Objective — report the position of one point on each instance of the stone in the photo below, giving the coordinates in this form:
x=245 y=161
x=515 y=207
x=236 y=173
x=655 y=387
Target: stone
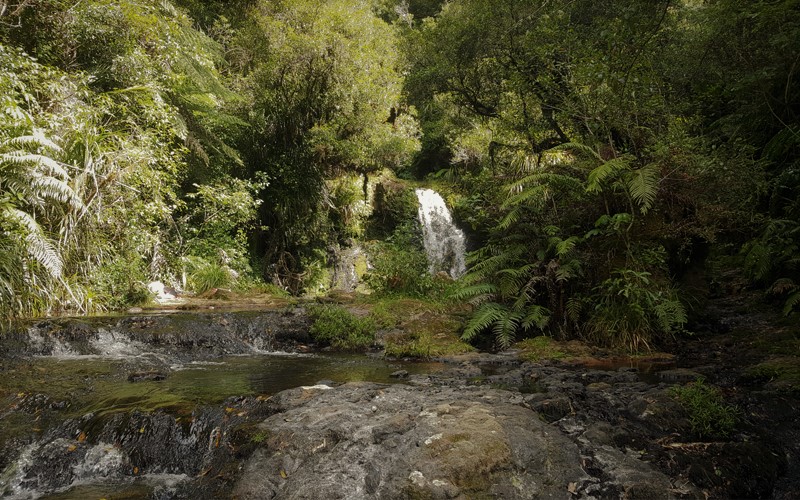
x=455 y=443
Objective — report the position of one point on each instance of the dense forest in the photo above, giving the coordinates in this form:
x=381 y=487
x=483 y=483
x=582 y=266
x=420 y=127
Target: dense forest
x=614 y=164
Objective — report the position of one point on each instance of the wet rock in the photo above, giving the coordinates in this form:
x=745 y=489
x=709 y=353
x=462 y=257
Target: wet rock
x=679 y=375
x=186 y=334
x=151 y=376
x=553 y=409
x=432 y=443
x=399 y=374
x=637 y=479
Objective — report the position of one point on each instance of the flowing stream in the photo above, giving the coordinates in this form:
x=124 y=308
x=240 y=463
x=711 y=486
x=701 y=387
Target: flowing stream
x=135 y=407
x=444 y=241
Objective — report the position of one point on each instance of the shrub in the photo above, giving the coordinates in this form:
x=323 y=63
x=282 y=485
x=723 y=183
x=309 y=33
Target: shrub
x=708 y=413
x=204 y=275
x=632 y=309
x=400 y=267
x=121 y=282
x=341 y=329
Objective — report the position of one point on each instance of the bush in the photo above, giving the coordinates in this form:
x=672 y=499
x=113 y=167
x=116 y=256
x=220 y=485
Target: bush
x=204 y=275
x=400 y=267
x=121 y=283
x=341 y=329
x=632 y=310
x=709 y=415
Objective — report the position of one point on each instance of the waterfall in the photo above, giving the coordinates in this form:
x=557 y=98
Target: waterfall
x=444 y=242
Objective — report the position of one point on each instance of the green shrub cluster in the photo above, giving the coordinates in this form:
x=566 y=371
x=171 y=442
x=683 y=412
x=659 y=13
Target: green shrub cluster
x=709 y=415
x=341 y=329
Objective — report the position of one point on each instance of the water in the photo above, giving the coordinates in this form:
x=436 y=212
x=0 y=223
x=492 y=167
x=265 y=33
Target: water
x=444 y=242
x=41 y=396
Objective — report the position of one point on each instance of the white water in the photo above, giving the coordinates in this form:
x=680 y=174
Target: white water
x=444 y=242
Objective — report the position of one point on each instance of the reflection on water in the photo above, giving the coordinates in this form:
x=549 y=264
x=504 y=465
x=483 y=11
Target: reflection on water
x=76 y=386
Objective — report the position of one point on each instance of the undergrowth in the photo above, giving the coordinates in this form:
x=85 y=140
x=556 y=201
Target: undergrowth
x=709 y=415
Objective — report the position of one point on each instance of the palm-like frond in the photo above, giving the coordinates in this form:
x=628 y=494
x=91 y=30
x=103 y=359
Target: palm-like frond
x=609 y=170
x=643 y=186
x=483 y=317
x=576 y=147
x=37 y=245
x=791 y=303
x=21 y=159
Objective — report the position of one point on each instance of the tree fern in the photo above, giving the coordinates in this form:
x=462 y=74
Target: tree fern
x=608 y=171
x=643 y=186
x=791 y=302
x=482 y=318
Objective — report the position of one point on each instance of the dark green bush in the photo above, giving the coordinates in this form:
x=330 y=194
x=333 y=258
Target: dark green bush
x=341 y=329
x=709 y=415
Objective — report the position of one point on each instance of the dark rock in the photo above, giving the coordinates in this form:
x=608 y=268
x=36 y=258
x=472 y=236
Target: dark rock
x=679 y=375
x=553 y=409
x=151 y=376
x=469 y=442
x=399 y=374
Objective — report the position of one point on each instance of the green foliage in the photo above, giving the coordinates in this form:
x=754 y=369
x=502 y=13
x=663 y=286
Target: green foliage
x=204 y=275
x=539 y=348
x=394 y=205
x=341 y=329
x=399 y=266
x=419 y=328
x=323 y=84
x=122 y=282
x=632 y=310
x=709 y=415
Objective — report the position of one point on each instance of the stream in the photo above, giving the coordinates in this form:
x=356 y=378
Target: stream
x=201 y=404
x=131 y=407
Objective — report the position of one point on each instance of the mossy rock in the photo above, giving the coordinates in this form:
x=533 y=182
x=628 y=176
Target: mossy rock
x=778 y=374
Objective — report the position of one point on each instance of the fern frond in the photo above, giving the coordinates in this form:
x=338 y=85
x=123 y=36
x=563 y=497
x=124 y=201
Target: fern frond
x=22 y=159
x=564 y=247
x=36 y=139
x=537 y=192
x=37 y=244
x=505 y=329
x=643 y=186
x=576 y=147
x=791 y=302
x=483 y=317
x=569 y=270
x=607 y=171
x=537 y=316
x=574 y=309
x=670 y=314
x=511 y=218
x=55 y=189
x=470 y=292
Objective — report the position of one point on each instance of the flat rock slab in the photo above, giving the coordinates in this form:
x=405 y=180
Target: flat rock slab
x=375 y=441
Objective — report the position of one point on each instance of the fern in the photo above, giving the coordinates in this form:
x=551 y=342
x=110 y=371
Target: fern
x=643 y=186
x=791 y=302
x=576 y=147
x=536 y=316
x=564 y=247
x=607 y=171
x=483 y=317
x=37 y=244
x=505 y=328
x=475 y=294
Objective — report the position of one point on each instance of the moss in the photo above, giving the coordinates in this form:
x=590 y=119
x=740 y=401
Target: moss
x=340 y=328
x=424 y=329
x=708 y=413
x=782 y=374
x=539 y=348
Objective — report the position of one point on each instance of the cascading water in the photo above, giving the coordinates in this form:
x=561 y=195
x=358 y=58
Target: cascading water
x=444 y=242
